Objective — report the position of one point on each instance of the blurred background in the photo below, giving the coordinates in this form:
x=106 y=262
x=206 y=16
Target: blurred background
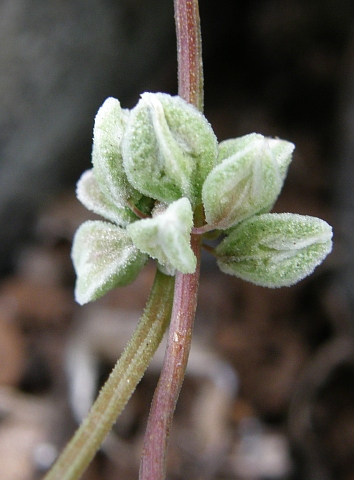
x=269 y=392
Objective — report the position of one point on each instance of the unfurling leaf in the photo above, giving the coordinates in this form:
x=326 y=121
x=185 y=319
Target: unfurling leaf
x=275 y=250
x=166 y=236
x=247 y=179
x=91 y=196
x=110 y=123
x=168 y=148
x=104 y=257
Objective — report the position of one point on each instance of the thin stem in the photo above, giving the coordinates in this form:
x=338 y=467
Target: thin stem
x=137 y=212
x=153 y=464
x=190 y=88
x=209 y=249
x=120 y=385
x=189 y=52
x=203 y=229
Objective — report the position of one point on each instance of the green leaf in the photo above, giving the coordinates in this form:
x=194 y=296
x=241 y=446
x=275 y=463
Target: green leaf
x=90 y=195
x=275 y=250
x=104 y=257
x=166 y=237
x=110 y=123
x=247 y=179
x=168 y=148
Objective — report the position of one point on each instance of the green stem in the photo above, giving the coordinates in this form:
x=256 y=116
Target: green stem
x=120 y=385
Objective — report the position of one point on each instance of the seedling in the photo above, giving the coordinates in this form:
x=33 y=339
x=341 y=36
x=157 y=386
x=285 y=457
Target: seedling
x=162 y=182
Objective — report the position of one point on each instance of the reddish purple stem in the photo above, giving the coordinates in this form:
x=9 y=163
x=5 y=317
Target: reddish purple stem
x=153 y=465
x=190 y=88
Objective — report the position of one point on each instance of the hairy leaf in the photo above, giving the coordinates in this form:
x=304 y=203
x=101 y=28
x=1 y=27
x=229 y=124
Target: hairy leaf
x=275 y=250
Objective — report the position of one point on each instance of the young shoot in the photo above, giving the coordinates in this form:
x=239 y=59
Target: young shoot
x=162 y=182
